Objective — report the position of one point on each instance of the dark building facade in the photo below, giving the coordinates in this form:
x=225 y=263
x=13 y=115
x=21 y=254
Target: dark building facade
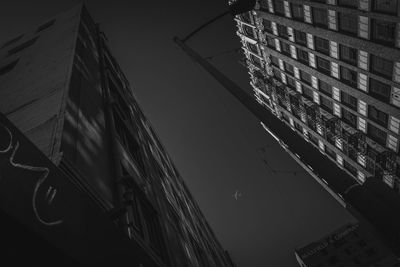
x=330 y=70
x=63 y=89
x=350 y=245
x=326 y=76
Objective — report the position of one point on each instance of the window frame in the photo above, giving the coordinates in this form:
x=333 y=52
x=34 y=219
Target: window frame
x=345 y=54
x=318 y=61
x=279 y=9
x=348 y=100
x=373 y=83
x=320 y=17
x=301 y=59
x=374 y=68
x=378 y=116
x=344 y=70
x=389 y=11
x=306 y=81
x=322 y=45
x=377 y=24
x=324 y=91
x=346 y=22
x=294 y=6
x=375 y=136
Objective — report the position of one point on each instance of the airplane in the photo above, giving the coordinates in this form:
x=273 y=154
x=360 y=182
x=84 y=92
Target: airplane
x=237 y=195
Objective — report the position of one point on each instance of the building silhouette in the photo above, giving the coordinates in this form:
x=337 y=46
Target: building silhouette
x=330 y=70
x=63 y=89
x=350 y=245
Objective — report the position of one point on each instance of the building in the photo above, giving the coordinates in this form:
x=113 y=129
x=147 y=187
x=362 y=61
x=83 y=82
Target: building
x=330 y=69
x=350 y=245
x=64 y=90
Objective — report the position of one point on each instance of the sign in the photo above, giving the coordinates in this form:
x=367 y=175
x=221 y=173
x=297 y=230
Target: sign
x=331 y=239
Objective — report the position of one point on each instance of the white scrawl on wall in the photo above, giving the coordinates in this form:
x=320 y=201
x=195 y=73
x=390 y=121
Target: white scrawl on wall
x=13 y=146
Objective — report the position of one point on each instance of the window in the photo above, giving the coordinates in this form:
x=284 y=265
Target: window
x=305 y=77
x=348 y=76
x=121 y=106
x=330 y=152
x=248 y=31
x=264 y=5
x=300 y=37
x=253 y=48
x=46 y=25
x=320 y=17
x=349 y=100
x=16 y=39
x=348 y=3
x=313 y=139
x=321 y=45
x=350 y=167
x=302 y=56
x=323 y=65
x=7 y=68
x=308 y=93
x=385 y=6
x=383 y=31
x=289 y=68
x=285 y=48
x=285 y=117
x=275 y=61
x=378 y=116
x=291 y=82
x=325 y=88
x=271 y=42
x=282 y=31
x=278 y=7
x=376 y=134
x=379 y=90
x=22 y=46
x=326 y=104
x=349 y=118
x=130 y=143
x=348 y=23
x=298 y=127
x=245 y=17
x=297 y=11
x=277 y=74
x=256 y=61
x=381 y=66
x=267 y=25
x=348 y=54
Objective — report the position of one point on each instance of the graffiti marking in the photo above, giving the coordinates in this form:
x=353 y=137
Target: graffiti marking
x=51 y=192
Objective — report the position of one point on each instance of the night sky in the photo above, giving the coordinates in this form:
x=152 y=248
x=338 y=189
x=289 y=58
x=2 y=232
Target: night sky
x=214 y=141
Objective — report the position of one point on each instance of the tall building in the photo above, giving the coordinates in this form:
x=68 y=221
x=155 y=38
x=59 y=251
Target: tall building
x=330 y=70
x=63 y=89
x=350 y=245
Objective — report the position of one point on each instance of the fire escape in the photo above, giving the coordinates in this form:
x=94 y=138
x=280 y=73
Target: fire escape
x=375 y=159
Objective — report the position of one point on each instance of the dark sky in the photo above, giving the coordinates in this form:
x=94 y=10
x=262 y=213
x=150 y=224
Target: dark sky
x=214 y=141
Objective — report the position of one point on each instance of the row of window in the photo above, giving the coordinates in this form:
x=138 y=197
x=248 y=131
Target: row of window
x=377 y=89
x=381 y=31
x=315 y=140
x=379 y=6
x=373 y=132
x=378 y=65
x=348 y=100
